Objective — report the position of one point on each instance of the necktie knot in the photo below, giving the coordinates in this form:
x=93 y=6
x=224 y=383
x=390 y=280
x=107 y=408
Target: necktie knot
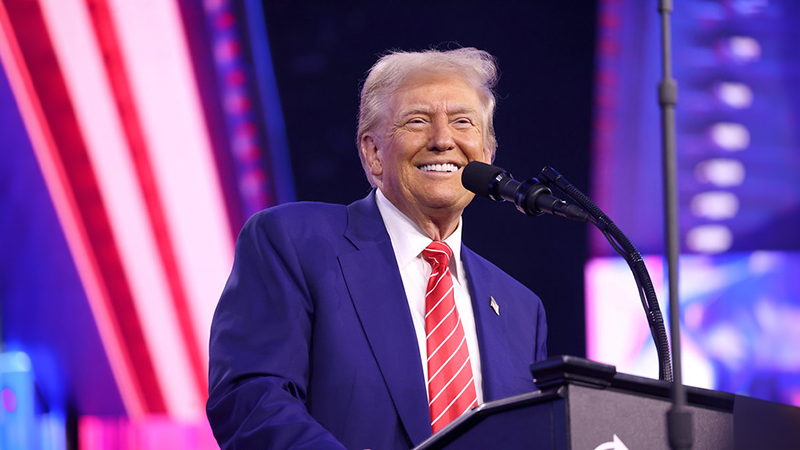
x=437 y=254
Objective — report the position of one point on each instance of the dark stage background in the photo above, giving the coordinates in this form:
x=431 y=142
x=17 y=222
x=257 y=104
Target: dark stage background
x=321 y=51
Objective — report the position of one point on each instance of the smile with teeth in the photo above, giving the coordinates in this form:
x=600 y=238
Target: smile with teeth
x=447 y=167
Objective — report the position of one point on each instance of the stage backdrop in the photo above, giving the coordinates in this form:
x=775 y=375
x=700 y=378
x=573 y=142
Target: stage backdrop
x=738 y=73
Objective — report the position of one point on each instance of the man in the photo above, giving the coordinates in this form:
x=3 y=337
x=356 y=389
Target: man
x=329 y=333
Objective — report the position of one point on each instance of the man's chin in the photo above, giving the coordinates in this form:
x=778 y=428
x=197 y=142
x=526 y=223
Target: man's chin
x=453 y=204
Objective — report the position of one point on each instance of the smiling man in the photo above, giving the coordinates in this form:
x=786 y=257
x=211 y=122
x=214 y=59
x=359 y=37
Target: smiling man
x=371 y=325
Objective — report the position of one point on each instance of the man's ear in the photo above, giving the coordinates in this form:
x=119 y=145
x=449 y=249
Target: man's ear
x=488 y=155
x=370 y=155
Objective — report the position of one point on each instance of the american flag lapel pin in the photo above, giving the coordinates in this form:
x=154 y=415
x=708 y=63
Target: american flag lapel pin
x=494 y=305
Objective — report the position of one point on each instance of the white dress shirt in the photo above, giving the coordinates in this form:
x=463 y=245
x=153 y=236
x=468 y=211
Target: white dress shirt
x=408 y=242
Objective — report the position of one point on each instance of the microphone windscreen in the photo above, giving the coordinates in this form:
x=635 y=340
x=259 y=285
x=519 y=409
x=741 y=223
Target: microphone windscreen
x=481 y=178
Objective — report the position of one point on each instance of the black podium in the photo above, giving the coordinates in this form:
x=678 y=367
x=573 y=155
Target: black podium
x=583 y=404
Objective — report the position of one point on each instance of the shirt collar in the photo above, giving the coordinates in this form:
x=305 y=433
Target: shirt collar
x=408 y=240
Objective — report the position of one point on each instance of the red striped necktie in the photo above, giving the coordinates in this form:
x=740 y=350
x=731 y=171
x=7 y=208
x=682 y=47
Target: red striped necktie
x=451 y=389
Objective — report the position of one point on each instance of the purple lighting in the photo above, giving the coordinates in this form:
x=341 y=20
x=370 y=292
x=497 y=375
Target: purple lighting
x=9 y=399
x=737 y=70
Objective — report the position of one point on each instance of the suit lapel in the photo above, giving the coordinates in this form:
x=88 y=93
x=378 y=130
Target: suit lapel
x=492 y=337
x=375 y=286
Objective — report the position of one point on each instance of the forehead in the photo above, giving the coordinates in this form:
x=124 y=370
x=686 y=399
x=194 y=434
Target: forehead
x=436 y=92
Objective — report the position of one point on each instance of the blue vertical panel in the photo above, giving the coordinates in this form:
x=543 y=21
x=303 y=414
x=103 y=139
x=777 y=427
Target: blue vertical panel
x=270 y=102
x=626 y=158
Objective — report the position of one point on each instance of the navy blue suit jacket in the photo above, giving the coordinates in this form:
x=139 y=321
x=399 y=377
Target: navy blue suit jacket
x=313 y=346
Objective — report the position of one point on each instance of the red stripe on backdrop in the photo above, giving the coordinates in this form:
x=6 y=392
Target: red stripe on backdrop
x=49 y=88
x=130 y=119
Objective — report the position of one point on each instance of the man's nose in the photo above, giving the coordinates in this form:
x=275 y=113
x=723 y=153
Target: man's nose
x=442 y=135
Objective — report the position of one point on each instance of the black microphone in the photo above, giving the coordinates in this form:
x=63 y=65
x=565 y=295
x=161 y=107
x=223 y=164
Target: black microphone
x=530 y=196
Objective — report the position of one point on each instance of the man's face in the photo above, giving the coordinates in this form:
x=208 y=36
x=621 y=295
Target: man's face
x=433 y=128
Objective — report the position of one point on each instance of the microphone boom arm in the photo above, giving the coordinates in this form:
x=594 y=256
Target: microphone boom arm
x=624 y=247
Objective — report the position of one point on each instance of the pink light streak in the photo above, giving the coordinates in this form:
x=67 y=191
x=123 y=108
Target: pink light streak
x=163 y=87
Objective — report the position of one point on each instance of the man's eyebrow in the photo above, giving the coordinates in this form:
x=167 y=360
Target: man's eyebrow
x=423 y=109
x=415 y=109
x=462 y=109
